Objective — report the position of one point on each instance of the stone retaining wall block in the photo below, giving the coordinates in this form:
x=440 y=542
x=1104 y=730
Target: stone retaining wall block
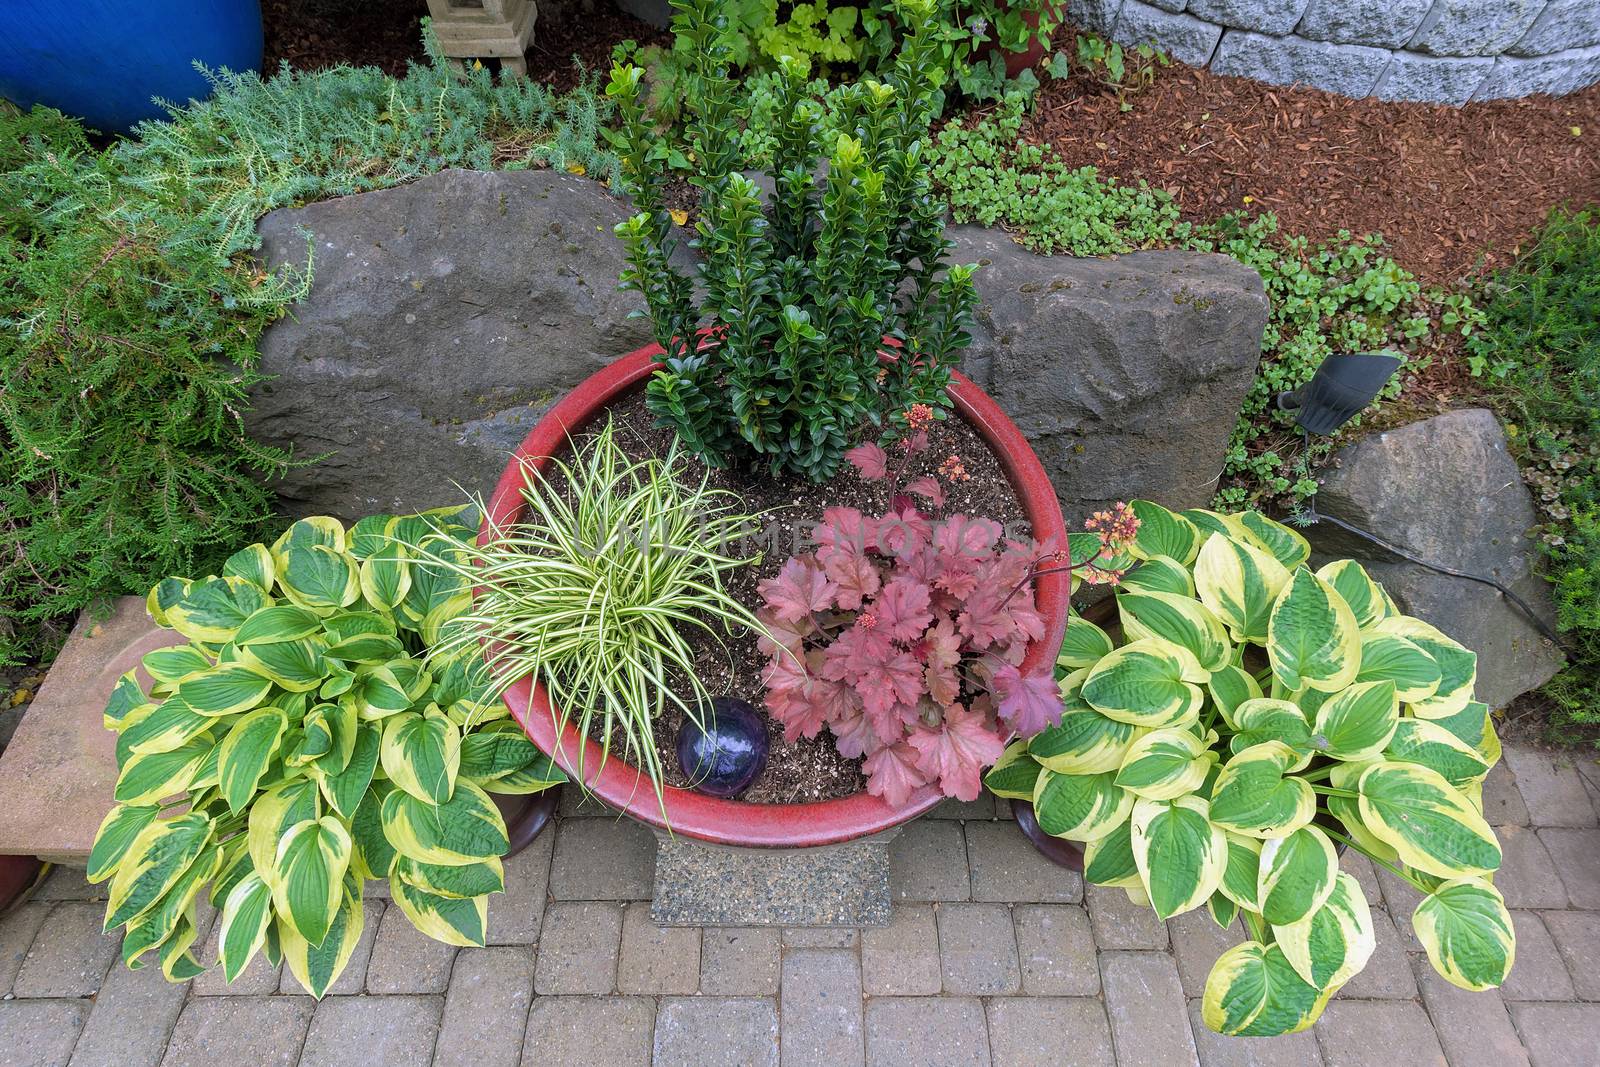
x=1443 y=79
x=1564 y=24
x=1263 y=16
x=1557 y=74
x=1475 y=27
x=1338 y=68
x=1097 y=16
x=1183 y=37
x=1379 y=23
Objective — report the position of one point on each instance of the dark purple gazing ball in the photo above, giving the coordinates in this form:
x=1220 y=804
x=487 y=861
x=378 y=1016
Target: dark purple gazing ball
x=725 y=757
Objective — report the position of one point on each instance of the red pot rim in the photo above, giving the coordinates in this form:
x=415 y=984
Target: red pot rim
x=732 y=822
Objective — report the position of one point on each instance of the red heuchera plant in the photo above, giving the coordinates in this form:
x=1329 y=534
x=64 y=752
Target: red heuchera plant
x=903 y=633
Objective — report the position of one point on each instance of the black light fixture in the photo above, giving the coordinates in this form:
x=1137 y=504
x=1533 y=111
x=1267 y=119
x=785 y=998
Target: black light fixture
x=1341 y=389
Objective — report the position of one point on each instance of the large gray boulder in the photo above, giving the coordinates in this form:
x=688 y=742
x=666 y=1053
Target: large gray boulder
x=1447 y=491
x=1126 y=374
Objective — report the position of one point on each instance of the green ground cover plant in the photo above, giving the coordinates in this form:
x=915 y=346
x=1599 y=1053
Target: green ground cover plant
x=129 y=308
x=1539 y=357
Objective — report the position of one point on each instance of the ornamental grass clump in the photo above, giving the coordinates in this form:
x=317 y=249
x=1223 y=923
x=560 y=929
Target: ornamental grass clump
x=597 y=588
x=297 y=746
x=783 y=361
x=1254 y=716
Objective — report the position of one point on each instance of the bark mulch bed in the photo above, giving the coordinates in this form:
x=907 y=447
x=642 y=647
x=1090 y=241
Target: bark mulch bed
x=1451 y=189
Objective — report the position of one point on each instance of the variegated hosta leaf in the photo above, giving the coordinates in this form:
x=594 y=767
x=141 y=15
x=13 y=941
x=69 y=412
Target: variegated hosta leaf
x=452 y=920
x=464 y=829
x=1242 y=875
x=1467 y=931
x=1427 y=821
x=1230 y=687
x=254 y=564
x=308 y=875
x=210 y=611
x=1164 y=533
x=1253 y=797
x=1365 y=597
x=461 y=882
x=1426 y=743
x=1083 y=742
x=274 y=811
x=169 y=726
x=1180 y=619
x=1239 y=583
x=1164 y=764
x=422 y=753
x=1348 y=811
x=224 y=690
x=156 y=858
x=1356 y=723
x=1209 y=522
x=1267 y=719
x=1387 y=657
x=1159 y=574
x=1084 y=645
x=344 y=788
x=1297 y=874
x=246 y=914
x=1149 y=683
x=1014 y=774
x=385 y=576
x=1334 y=942
x=362 y=637
x=125 y=697
x=1283 y=543
x=1222 y=910
x=372 y=856
x=118 y=830
x=1180 y=855
x=153 y=776
x=245 y=753
x=1312 y=638
x=165 y=919
x=1109 y=860
x=1254 y=991
x=1472 y=725
x=317 y=966
x=297 y=666
x=1458 y=666
x=281 y=622
x=163 y=596
x=168 y=666
x=1080 y=807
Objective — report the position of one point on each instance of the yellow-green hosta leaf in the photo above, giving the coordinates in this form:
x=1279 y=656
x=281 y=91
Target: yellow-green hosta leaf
x=1013 y=776
x=1083 y=742
x=274 y=811
x=1180 y=854
x=297 y=666
x=1467 y=931
x=170 y=726
x=1348 y=811
x=164 y=920
x=163 y=595
x=210 y=611
x=126 y=695
x=177 y=963
x=1254 y=991
x=1297 y=874
x=535 y=777
x=1333 y=943
x=1387 y=657
x=374 y=856
x=389 y=689
x=1356 y=723
x=1285 y=545
x=281 y=622
x=362 y=637
x=1180 y=619
x=370 y=535
x=1458 y=666
x=1164 y=764
x=236 y=864
x=344 y=788
x=153 y=776
x=1253 y=797
x=1230 y=687
x=1425 y=819
x=1425 y=742
x=1222 y=910
x=1150 y=683
x=1473 y=726
x=464 y=829
x=1080 y=807
x=1209 y=522
x=169 y=666
x=1242 y=874
x=253 y=563
x=1084 y=645
x=246 y=914
x=1365 y=597
x=1109 y=860
x=1269 y=719
x=422 y=753
x=386 y=577
x=1312 y=639
x=461 y=882
x=226 y=689
x=451 y=920
x=309 y=874
x=246 y=751
x=155 y=860
x=1239 y=583
x=1164 y=533
x=118 y=830
x=489 y=754
x=1159 y=574
x=317 y=966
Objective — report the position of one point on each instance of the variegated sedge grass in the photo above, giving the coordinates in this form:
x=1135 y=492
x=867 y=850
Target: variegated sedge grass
x=593 y=590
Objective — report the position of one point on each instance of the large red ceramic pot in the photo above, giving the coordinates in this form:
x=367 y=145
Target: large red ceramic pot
x=732 y=822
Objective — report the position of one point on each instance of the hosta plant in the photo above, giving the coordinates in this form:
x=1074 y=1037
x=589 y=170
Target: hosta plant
x=784 y=357
x=1254 y=717
x=300 y=744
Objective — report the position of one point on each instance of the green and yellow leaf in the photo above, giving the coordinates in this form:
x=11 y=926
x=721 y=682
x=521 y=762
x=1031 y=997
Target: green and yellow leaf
x=1180 y=854
x=1312 y=639
x=1427 y=821
x=1467 y=932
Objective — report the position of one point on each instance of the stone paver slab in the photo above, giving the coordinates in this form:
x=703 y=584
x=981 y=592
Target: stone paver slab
x=1538 y=972
x=1577 y=856
x=377 y=1030
x=69 y=956
x=902 y=959
x=1527 y=876
x=69 y=883
x=1056 y=947
x=1361 y=869
x=1387 y=975
x=259 y=976
x=39 y=1033
x=1286 y=1050
x=949 y=1031
x=1400 y=900
x=928 y=861
x=1377 y=1033
x=17 y=931
x=1502 y=802
x=486 y=1008
x=133 y=1017
x=1197 y=941
x=1007 y=868
x=1550 y=786
x=515 y=916
x=406 y=960
x=978 y=950
x=602 y=859
x=353 y=979
x=260 y=1031
x=1149 y=1015
x=1558 y=1035
x=612 y=1030
x=1119 y=923
x=739 y=960
x=820 y=1005
x=1474 y=1028
x=1075 y=1032
x=1577 y=938
x=657 y=959
x=716 y=1032
x=951 y=808
x=821 y=937
x=702 y=885
x=578 y=953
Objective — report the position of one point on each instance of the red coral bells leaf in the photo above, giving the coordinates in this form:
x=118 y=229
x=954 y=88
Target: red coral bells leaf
x=902 y=532
x=857 y=652
x=902 y=609
x=942 y=649
x=929 y=489
x=856 y=578
x=783 y=634
x=843 y=530
x=800 y=589
x=869 y=460
x=893 y=775
x=957 y=751
x=855 y=736
x=985 y=622
x=894 y=680
x=1028 y=703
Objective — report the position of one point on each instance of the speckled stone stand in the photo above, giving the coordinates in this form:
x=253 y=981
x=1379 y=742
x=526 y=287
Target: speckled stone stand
x=708 y=885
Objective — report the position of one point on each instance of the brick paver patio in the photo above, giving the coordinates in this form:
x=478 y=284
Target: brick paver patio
x=993 y=957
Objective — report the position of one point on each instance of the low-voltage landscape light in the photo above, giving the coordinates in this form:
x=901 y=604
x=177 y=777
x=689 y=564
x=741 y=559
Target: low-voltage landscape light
x=1343 y=386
